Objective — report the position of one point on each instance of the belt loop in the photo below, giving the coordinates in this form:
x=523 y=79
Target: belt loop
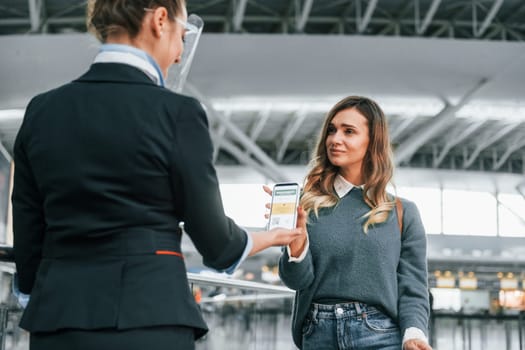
x=357 y=307
x=314 y=313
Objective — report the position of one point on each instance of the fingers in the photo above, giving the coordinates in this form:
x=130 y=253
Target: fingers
x=301 y=218
x=282 y=236
x=415 y=344
x=267 y=206
x=267 y=190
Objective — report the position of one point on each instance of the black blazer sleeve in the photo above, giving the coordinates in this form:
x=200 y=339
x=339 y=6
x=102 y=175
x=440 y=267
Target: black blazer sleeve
x=28 y=215
x=217 y=238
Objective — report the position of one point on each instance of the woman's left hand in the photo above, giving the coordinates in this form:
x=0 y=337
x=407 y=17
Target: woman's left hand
x=416 y=344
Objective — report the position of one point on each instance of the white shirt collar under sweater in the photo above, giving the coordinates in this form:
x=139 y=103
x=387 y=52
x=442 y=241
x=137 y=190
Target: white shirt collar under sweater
x=342 y=187
x=129 y=59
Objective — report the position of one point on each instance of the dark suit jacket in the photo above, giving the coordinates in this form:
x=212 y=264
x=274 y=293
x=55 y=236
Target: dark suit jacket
x=105 y=169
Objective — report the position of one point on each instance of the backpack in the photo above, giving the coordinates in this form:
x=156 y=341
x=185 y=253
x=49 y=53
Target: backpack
x=399 y=210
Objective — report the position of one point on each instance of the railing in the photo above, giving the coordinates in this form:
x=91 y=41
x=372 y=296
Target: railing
x=479 y=331
x=256 y=316
x=240 y=314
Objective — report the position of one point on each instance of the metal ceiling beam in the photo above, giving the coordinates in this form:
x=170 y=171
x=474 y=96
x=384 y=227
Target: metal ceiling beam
x=362 y=22
x=14 y=11
x=399 y=128
x=379 y=26
x=488 y=20
x=238 y=16
x=428 y=17
x=380 y=21
x=339 y=24
x=516 y=214
x=515 y=34
x=289 y=131
x=520 y=188
x=35 y=14
x=301 y=15
x=375 y=21
x=406 y=150
x=454 y=139
x=484 y=143
x=196 y=8
x=259 y=124
x=515 y=12
x=218 y=135
x=244 y=158
x=4 y=151
x=496 y=29
x=514 y=144
x=438 y=32
x=270 y=166
x=264 y=8
x=7 y=22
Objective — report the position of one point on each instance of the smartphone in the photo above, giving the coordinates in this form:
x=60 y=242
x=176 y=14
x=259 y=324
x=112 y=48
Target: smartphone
x=283 y=210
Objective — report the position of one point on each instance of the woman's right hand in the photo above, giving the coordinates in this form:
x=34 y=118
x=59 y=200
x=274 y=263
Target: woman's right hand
x=416 y=344
x=297 y=244
x=278 y=236
x=295 y=237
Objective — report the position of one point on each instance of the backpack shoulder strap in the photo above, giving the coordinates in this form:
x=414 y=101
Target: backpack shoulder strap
x=399 y=210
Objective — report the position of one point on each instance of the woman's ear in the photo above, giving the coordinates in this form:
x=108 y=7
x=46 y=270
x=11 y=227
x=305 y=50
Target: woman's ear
x=158 y=21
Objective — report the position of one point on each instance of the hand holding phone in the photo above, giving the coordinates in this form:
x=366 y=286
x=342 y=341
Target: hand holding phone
x=283 y=209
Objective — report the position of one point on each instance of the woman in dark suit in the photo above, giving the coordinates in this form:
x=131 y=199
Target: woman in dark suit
x=106 y=167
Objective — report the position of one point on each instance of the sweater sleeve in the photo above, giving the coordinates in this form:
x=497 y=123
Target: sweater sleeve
x=296 y=275
x=412 y=273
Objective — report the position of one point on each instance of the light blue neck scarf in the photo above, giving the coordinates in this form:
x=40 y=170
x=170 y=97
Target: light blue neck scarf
x=137 y=52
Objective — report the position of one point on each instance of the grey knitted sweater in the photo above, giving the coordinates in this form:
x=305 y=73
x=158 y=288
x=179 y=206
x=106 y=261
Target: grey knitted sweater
x=380 y=268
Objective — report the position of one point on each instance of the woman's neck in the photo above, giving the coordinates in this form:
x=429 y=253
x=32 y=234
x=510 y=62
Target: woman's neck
x=354 y=177
x=124 y=39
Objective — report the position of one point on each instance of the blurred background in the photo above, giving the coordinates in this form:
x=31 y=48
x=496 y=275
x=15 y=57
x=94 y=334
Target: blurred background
x=450 y=76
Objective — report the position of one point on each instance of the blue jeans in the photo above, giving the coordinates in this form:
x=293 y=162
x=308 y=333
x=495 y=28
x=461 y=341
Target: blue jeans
x=349 y=326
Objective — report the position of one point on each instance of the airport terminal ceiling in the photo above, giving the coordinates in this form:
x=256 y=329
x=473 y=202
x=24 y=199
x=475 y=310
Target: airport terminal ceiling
x=449 y=74
x=460 y=19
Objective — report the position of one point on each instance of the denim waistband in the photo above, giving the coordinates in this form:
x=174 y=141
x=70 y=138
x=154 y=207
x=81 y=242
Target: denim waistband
x=354 y=308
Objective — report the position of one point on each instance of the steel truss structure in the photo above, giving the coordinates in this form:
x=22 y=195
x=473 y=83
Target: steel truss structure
x=267 y=136
x=458 y=19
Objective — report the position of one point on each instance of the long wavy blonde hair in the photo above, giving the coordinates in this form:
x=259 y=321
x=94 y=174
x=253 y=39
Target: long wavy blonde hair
x=377 y=165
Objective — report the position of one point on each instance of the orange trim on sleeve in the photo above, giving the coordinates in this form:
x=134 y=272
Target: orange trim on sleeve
x=169 y=252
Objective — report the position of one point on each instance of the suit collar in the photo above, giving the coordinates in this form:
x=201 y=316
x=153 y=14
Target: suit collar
x=115 y=73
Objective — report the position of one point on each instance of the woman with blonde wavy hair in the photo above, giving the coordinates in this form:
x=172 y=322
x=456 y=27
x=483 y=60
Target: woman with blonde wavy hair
x=360 y=274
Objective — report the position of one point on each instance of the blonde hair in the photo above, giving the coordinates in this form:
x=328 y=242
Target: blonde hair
x=377 y=165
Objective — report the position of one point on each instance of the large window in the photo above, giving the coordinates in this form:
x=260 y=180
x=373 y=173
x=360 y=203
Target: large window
x=452 y=212
x=469 y=213
x=511 y=210
x=428 y=201
x=245 y=203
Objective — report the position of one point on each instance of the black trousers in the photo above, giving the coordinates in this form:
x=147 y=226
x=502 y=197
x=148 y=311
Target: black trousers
x=151 y=338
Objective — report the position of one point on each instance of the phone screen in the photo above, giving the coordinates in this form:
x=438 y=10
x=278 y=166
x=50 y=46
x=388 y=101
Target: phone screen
x=283 y=212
